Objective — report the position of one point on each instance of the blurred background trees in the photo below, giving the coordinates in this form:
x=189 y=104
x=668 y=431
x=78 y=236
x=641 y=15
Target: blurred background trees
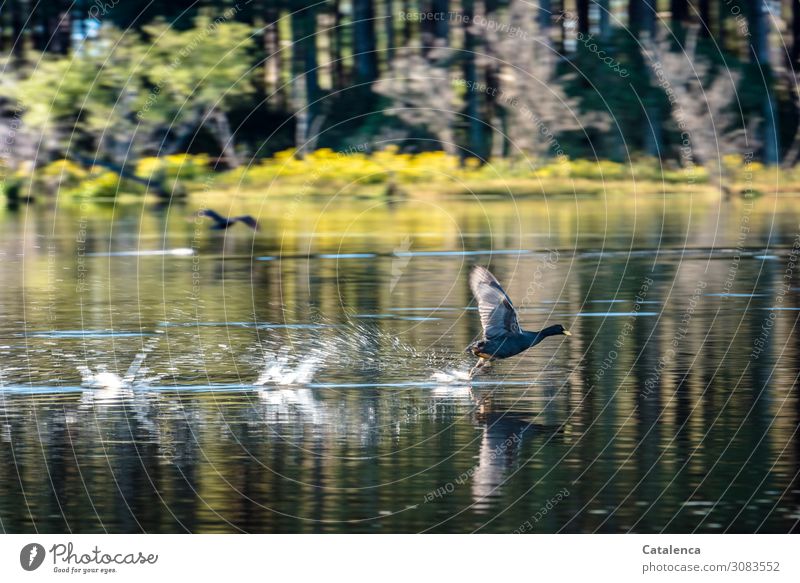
x=478 y=78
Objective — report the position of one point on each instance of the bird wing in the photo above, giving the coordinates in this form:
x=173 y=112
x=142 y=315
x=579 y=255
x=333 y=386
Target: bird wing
x=212 y=215
x=498 y=316
x=249 y=221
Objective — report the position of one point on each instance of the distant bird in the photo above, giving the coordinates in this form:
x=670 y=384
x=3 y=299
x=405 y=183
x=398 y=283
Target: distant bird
x=221 y=223
x=502 y=335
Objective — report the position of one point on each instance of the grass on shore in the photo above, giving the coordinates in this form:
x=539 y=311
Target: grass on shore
x=328 y=173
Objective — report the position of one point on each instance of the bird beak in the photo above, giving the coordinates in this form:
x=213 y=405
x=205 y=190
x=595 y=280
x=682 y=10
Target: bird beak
x=567 y=333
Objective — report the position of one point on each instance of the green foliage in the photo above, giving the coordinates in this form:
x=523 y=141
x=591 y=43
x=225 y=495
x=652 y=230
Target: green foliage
x=123 y=92
x=205 y=67
x=168 y=80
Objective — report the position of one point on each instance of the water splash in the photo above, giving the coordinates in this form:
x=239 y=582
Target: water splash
x=108 y=384
x=451 y=376
x=179 y=252
x=336 y=349
x=102 y=378
x=283 y=372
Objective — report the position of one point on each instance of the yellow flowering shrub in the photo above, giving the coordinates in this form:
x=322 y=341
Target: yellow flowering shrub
x=357 y=171
x=182 y=166
x=63 y=172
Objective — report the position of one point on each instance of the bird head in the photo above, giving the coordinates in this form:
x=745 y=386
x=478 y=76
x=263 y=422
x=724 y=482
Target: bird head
x=557 y=329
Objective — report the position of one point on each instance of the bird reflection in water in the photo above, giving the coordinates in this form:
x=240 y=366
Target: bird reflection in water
x=500 y=453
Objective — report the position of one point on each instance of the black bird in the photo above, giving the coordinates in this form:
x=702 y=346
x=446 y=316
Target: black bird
x=221 y=223
x=502 y=335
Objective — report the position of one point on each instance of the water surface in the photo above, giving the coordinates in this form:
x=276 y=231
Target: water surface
x=159 y=377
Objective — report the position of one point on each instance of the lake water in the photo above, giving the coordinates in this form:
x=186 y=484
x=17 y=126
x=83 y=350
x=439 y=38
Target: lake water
x=159 y=377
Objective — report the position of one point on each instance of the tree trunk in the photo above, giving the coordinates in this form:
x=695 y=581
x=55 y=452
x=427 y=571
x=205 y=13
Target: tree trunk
x=497 y=143
x=299 y=87
x=793 y=78
x=649 y=17
x=310 y=59
x=559 y=9
x=605 y=27
x=305 y=86
x=426 y=27
x=475 y=123
x=221 y=128
x=652 y=130
x=390 y=40
x=721 y=35
x=678 y=12
x=795 y=53
x=759 y=55
x=642 y=16
x=17 y=29
x=583 y=16
x=39 y=25
x=441 y=27
x=337 y=42
x=273 y=56
x=63 y=30
x=634 y=15
x=366 y=63
x=181 y=131
x=705 y=17
x=545 y=21
x=408 y=31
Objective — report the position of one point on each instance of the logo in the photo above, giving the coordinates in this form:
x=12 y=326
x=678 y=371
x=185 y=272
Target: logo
x=31 y=556
x=401 y=258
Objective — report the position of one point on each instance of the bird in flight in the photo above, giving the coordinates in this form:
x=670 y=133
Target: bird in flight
x=502 y=335
x=221 y=223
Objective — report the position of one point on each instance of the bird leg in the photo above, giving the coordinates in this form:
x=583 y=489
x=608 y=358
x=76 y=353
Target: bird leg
x=479 y=365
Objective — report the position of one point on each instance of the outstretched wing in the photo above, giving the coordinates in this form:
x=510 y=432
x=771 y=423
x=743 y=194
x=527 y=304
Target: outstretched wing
x=498 y=316
x=249 y=221
x=211 y=215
